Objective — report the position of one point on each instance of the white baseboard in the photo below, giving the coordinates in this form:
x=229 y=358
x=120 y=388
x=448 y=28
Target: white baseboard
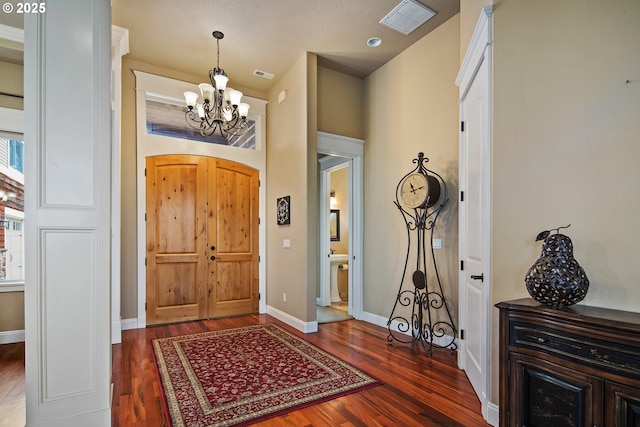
x=116 y=333
x=306 y=327
x=493 y=414
x=10 y=337
x=127 y=324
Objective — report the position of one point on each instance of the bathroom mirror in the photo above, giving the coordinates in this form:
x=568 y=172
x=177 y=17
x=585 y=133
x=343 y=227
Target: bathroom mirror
x=334 y=225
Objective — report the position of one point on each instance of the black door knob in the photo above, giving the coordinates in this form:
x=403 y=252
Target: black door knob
x=480 y=277
x=213 y=248
x=213 y=257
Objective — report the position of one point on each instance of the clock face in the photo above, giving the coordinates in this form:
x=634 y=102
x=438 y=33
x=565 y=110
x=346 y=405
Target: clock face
x=414 y=190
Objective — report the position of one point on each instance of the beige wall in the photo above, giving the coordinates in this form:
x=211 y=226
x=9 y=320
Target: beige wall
x=11 y=311
x=292 y=171
x=565 y=144
x=11 y=82
x=340 y=103
x=411 y=106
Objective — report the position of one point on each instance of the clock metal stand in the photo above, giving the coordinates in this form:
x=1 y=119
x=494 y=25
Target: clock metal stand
x=429 y=322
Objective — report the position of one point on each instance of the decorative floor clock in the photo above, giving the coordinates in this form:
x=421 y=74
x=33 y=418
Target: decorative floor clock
x=420 y=313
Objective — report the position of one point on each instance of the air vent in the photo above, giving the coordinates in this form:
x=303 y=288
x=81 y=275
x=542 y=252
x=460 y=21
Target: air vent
x=263 y=74
x=407 y=16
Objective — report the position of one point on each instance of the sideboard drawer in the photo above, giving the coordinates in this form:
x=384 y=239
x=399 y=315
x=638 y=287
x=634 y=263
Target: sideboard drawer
x=604 y=355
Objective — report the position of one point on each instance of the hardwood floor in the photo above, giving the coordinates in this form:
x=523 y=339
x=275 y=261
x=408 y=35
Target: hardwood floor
x=12 y=406
x=417 y=390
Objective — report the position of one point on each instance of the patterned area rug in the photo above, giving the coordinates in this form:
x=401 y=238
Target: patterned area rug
x=236 y=377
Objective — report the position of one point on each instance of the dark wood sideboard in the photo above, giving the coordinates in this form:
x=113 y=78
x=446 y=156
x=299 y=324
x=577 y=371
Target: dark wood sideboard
x=574 y=366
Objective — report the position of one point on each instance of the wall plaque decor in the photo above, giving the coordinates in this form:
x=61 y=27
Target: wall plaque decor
x=420 y=313
x=283 y=213
x=556 y=278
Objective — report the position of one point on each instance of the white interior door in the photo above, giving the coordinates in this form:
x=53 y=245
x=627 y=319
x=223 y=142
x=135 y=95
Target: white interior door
x=474 y=285
x=474 y=221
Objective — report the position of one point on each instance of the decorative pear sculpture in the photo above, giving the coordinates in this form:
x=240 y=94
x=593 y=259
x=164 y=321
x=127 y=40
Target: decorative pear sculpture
x=556 y=279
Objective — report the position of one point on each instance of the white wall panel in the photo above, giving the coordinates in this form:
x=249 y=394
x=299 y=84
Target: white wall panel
x=68 y=304
x=67 y=214
x=69 y=78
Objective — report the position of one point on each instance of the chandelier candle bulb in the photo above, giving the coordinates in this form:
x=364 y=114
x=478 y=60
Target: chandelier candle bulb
x=234 y=97
x=191 y=98
x=221 y=82
x=243 y=109
x=207 y=92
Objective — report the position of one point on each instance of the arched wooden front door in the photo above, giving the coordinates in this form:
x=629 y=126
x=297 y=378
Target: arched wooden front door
x=202 y=238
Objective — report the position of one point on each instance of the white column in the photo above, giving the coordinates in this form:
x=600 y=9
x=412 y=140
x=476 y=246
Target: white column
x=67 y=215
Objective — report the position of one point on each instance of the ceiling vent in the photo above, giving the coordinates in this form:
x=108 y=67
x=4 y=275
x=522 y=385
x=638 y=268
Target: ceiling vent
x=263 y=74
x=407 y=16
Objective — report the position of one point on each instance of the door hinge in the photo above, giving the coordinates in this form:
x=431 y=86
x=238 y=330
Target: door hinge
x=462 y=196
x=145 y=216
x=145 y=261
x=145 y=306
x=461 y=126
x=145 y=171
x=259 y=183
x=258 y=258
x=258 y=220
x=461 y=334
x=258 y=296
x=461 y=265
x=509 y=367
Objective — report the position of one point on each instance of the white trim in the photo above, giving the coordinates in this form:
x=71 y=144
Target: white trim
x=12 y=120
x=153 y=145
x=493 y=414
x=481 y=39
x=11 y=337
x=306 y=327
x=119 y=48
x=478 y=52
x=349 y=150
x=12 y=34
x=11 y=286
x=128 y=324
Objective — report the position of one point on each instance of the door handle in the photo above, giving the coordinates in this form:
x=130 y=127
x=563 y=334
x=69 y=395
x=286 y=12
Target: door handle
x=480 y=277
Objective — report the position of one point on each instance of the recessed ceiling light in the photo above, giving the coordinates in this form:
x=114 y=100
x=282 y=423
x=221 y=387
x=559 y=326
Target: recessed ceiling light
x=374 y=42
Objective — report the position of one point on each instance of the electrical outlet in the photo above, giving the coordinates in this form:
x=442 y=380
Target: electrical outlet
x=437 y=243
x=284 y=297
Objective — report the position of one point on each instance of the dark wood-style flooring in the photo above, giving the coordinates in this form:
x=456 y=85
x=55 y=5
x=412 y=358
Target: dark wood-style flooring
x=417 y=390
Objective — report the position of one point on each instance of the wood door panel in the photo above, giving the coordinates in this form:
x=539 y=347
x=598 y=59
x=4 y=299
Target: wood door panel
x=176 y=238
x=202 y=238
x=177 y=284
x=231 y=279
x=234 y=272
x=177 y=189
x=234 y=211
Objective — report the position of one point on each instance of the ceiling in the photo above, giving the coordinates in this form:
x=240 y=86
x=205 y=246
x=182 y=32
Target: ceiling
x=266 y=35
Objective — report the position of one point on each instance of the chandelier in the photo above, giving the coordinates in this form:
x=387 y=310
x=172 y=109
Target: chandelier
x=221 y=109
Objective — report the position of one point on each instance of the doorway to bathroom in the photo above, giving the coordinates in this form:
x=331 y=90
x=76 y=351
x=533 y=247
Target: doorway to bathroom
x=339 y=294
